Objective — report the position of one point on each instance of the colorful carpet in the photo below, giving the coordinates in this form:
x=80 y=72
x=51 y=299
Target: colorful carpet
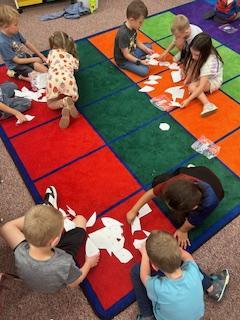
x=108 y=156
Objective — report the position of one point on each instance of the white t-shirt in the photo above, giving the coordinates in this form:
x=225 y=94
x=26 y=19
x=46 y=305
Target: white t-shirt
x=213 y=69
x=195 y=30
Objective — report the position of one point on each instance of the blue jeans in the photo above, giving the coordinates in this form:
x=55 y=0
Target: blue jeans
x=144 y=303
x=141 y=69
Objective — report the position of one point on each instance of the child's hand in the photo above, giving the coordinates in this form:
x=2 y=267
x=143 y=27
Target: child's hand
x=185 y=103
x=21 y=117
x=182 y=238
x=145 y=62
x=149 y=51
x=44 y=59
x=92 y=261
x=131 y=216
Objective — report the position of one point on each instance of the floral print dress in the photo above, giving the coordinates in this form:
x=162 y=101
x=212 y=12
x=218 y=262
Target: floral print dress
x=61 y=81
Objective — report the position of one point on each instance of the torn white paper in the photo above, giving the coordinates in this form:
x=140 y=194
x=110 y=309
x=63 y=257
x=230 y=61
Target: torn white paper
x=91 y=221
x=151 y=82
x=152 y=62
x=174 y=66
x=176 y=76
x=136 y=225
x=175 y=104
x=154 y=77
x=147 y=233
x=69 y=225
x=190 y=165
x=25 y=93
x=153 y=56
x=144 y=211
x=138 y=243
x=176 y=92
x=71 y=211
x=146 y=89
x=164 y=63
x=164 y=126
x=109 y=222
x=123 y=255
x=28 y=117
x=91 y=249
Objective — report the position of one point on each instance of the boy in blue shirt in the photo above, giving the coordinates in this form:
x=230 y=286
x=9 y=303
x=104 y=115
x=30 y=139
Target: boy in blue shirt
x=12 y=47
x=176 y=292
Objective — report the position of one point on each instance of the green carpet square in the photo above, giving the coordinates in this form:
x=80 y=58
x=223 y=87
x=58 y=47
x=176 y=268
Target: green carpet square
x=158 y=26
x=231 y=61
x=216 y=43
x=150 y=151
x=96 y=82
x=120 y=113
x=88 y=54
x=231 y=186
x=232 y=88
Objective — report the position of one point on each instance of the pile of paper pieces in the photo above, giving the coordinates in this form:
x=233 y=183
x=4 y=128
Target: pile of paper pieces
x=152 y=80
x=36 y=96
x=206 y=147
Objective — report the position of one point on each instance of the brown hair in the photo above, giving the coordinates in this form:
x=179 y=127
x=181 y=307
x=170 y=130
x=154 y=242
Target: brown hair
x=61 y=40
x=180 y=23
x=182 y=195
x=163 y=251
x=202 y=43
x=137 y=9
x=42 y=223
x=7 y=15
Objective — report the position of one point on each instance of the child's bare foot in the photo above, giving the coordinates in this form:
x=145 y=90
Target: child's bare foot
x=68 y=103
x=65 y=119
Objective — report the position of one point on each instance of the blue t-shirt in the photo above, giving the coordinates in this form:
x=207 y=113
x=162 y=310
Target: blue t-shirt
x=208 y=203
x=179 y=299
x=10 y=47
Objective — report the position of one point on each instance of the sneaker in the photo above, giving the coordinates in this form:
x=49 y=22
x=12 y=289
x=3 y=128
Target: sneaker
x=51 y=197
x=220 y=282
x=208 y=109
x=68 y=103
x=65 y=119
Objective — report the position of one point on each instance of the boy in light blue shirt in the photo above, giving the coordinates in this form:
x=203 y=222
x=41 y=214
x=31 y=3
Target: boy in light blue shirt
x=176 y=292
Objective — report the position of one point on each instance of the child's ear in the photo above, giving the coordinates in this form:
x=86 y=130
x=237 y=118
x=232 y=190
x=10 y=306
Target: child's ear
x=154 y=267
x=54 y=241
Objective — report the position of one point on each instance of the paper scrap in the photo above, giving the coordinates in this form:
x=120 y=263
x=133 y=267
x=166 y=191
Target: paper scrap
x=164 y=126
x=68 y=224
x=108 y=222
x=154 y=77
x=136 y=225
x=175 y=104
x=151 y=82
x=90 y=248
x=71 y=211
x=164 y=63
x=190 y=165
x=138 y=243
x=144 y=211
x=153 y=56
x=174 y=66
x=176 y=92
x=28 y=117
x=147 y=233
x=176 y=76
x=91 y=221
x=146 y=89
x=123 y=255
x=152 y=62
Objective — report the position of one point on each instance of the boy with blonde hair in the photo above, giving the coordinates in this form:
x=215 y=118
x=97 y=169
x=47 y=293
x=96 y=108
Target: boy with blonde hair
x=183 y=33
x=12 y=46
x=176 y=290
x=44 y=258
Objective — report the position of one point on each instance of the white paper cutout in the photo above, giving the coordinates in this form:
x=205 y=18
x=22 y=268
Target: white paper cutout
x=151 y=82
x=176 y=76
x=91 y=249
x=71 y=211
x=109 y=222
x=146 y=89
x=138 y=243
x=123 y=255
x=154 y=77
x=190 y=165
x=176 y=92
x=153 y=56
x=26 y=93
x=175 y=104
x=152 y=62
x=28 y=117
x=91 y=221
x=164 y=63
x=136 y=225
x=174 y=66
x=164 y=126
x=68 y=224
x=144 y=210
x=147 y=233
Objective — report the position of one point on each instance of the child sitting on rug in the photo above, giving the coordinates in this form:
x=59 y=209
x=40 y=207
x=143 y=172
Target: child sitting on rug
x=129 y=52
x=191 y=195
x=44 y=257
x=183 y=33
x=11 y=105
x=12 y=46
x=62 y=90
x=204 y=72
x=175 y=290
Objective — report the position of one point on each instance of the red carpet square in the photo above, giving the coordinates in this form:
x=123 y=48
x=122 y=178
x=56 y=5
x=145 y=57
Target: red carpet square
x=49 y=147
x=112 y=276
x=91 y=184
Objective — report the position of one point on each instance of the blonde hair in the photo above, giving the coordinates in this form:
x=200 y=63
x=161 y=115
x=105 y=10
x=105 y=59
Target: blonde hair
x=61 y=40
x=42 y=223
x=163 y=251
x=180 y=23
x=7 y=15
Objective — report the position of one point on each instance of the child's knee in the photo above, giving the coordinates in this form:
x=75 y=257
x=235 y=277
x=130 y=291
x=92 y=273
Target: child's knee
x=80 y=222
x=142 y=72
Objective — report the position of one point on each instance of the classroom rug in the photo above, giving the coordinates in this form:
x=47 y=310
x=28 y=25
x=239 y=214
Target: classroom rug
x=109 y=155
